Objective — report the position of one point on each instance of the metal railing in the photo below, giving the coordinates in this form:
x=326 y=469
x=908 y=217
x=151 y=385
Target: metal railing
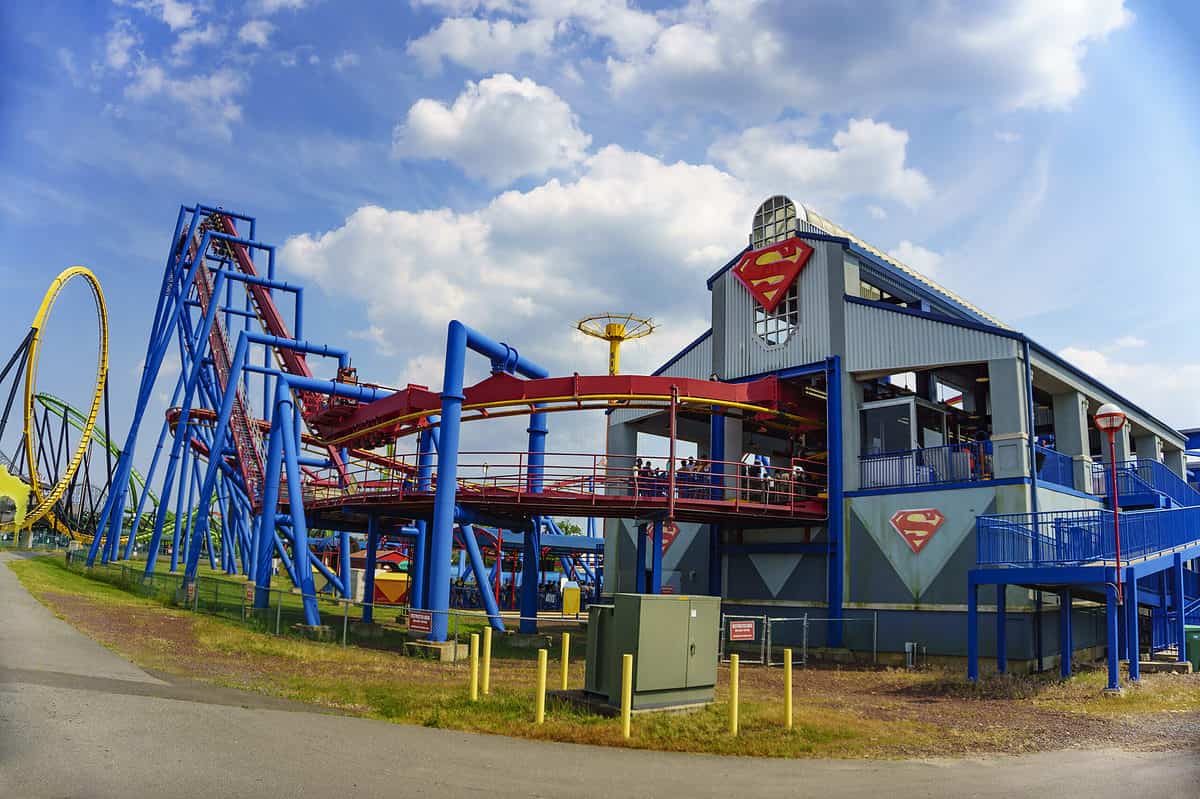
x=1054 y=467
x=967 y=462
x=509 y=477
x=1142 y=475
x=1081 y=536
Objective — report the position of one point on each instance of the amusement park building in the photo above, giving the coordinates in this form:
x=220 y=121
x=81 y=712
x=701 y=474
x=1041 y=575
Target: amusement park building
x=931 y=430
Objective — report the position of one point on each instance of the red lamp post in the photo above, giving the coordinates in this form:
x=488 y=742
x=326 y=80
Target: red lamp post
x=1109 y=419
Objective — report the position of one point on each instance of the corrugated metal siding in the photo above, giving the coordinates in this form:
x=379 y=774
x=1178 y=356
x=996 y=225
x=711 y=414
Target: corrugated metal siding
x=696 y=362
x=745 y=353
x=877 y=339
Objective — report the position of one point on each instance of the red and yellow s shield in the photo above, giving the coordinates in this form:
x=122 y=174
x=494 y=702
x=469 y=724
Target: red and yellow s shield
x=768 y=273
x=917 y=526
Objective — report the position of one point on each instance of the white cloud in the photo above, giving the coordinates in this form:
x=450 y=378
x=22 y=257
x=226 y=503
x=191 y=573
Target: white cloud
x=1168 y=390
x=210 y=98
x=175 y=14
x=631 y=232
x=483 y=45
x=925 y=261
x=256 y=32
x=1129 y=343
x=762 y=57
x=876 y=212
x=119 y=44
x=1007 y=136
x=268 y=7
x=867 y=159
x=498 y=129
x=345 y=61
x=196 y=37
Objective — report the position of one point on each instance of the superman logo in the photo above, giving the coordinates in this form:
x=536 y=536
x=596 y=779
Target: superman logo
x=768 y=273
x=917 y=526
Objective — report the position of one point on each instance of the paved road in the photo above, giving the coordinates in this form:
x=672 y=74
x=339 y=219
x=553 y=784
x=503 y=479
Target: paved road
x=77 y=720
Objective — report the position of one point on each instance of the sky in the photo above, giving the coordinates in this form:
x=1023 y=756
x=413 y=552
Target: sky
x=521 y=163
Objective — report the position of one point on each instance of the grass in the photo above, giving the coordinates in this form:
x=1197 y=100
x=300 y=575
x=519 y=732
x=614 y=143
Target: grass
x=882 y=714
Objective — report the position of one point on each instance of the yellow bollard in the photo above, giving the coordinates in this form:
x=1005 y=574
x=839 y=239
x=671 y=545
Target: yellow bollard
x=626 y=693
x=787 y=688
x=733 y=695
x=540 y=712
x=474 y=667
x=487 y=660
x=566 y=656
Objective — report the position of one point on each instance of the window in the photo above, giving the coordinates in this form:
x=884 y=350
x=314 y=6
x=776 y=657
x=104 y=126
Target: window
x=777 y=326
x=870 y=291
x=887 y=427
x=775 y=221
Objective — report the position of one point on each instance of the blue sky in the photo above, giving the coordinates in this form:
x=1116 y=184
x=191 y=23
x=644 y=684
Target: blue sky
x=519 y=163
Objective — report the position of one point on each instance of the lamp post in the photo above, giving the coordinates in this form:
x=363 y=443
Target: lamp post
x=1109 y=419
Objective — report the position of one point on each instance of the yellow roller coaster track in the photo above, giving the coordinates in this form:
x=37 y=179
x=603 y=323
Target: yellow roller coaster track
x=44 y=501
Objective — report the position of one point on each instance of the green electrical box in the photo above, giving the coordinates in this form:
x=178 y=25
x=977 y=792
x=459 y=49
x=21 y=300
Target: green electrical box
x=1191 y=637
x=673 y=640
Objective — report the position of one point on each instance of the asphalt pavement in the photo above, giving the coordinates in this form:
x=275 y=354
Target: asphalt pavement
x=77 y=720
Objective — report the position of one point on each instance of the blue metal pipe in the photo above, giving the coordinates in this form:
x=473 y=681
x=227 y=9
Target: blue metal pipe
x=344 y=553
x=481 y=578
x=836 y=511
x=266 y=527
x=300 y=554
x=368 y=597
x=656 y=558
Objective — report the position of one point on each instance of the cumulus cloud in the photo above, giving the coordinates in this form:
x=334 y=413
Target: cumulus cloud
x=764 y=57
x=868 y=158
x=480 y=44
x=256 y=32
x=267 y=7
x=498 y=129
x=925 y=261
x=628 y=229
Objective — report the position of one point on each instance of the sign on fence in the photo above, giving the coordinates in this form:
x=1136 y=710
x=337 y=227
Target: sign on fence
x=742 y=630
x=420 y=621
x=250 y=593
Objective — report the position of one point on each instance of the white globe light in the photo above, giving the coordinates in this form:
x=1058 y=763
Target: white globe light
x=1109 y=418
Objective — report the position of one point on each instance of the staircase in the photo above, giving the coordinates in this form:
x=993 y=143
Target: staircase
x=1143 y=484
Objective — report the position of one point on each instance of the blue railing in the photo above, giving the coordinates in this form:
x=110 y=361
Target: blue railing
x=1142 y=476
x=956 y=463
x=1081 y=536
x=1054 y=467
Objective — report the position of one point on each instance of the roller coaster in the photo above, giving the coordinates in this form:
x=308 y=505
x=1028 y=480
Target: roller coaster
x=256 y=453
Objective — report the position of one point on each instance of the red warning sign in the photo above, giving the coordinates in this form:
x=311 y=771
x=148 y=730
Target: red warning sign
x=742 y=630
x=420 y=621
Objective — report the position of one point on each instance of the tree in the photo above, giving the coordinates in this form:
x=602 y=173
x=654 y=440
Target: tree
x=569 y=527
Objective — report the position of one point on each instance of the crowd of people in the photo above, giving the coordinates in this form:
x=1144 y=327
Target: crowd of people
x=695 y=479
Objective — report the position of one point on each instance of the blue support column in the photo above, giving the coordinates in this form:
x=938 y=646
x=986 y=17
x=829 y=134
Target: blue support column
x=1179 y=634
x=471 y=547
x=1110 y=616
x=716 y=448
x=300 y=555
x=1131 y=624
x=639 y=582
x=972 y=630
x=836 y=511
x=368 y=597
x=442 y=543
x=265 y=547
x=418 y=565
x=1066 y=636
x=656 y=551
x=344 y=564
x=531 y=554
x=1002 y=629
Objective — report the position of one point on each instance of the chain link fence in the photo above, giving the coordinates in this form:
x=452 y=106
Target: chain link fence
x=283 y=611
x=860 y=634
